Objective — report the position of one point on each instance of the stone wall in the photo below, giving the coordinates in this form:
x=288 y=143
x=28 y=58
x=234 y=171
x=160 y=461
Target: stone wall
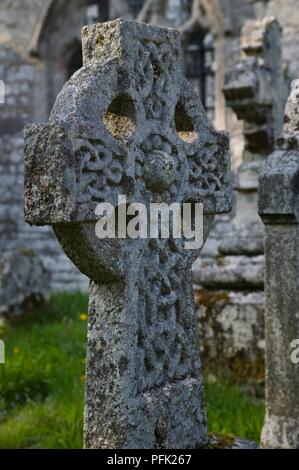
x=26 y=100
x=15 y=114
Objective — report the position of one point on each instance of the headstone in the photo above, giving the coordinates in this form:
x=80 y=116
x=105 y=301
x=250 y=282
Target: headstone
x=256 y=90
x=231 y=298
x=278 y=207
x=128 y=112
x=24 y=282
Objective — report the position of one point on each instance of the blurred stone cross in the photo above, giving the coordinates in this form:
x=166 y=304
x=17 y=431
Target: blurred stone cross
x=129 y=124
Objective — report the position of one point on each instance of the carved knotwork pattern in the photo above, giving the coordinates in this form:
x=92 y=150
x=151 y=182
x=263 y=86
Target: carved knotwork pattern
x=206 y=175
x=100 y=170
x=165 y=319
x=153 y=71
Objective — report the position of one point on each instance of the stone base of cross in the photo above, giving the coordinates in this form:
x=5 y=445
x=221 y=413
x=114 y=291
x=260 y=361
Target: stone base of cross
x=128 y=123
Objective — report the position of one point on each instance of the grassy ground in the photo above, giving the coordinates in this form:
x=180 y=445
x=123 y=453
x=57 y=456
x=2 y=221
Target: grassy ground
x=42 y=383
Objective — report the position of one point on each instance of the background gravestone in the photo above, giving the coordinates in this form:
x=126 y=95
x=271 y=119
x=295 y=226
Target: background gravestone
x=230 y=296
x=126 y=111
x=278 y=207
x=24 y=283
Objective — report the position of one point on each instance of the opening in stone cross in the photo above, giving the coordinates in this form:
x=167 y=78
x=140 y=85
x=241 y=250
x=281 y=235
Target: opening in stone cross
x=127 y=107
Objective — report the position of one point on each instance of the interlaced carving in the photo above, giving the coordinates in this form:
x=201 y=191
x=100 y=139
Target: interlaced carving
x=165 y=320
x=100 y=170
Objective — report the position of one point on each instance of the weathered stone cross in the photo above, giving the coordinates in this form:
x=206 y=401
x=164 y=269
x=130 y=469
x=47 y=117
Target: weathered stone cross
x=129 y=124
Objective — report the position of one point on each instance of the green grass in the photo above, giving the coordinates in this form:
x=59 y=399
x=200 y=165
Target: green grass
x=233 y=411
x=42 y=383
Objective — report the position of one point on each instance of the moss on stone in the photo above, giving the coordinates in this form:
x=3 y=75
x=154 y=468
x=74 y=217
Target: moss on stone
x=220 y=441
x=208 y=298
x=239 y=368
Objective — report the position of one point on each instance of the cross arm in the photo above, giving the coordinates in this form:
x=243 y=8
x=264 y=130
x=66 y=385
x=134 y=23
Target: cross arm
x=50 y=174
